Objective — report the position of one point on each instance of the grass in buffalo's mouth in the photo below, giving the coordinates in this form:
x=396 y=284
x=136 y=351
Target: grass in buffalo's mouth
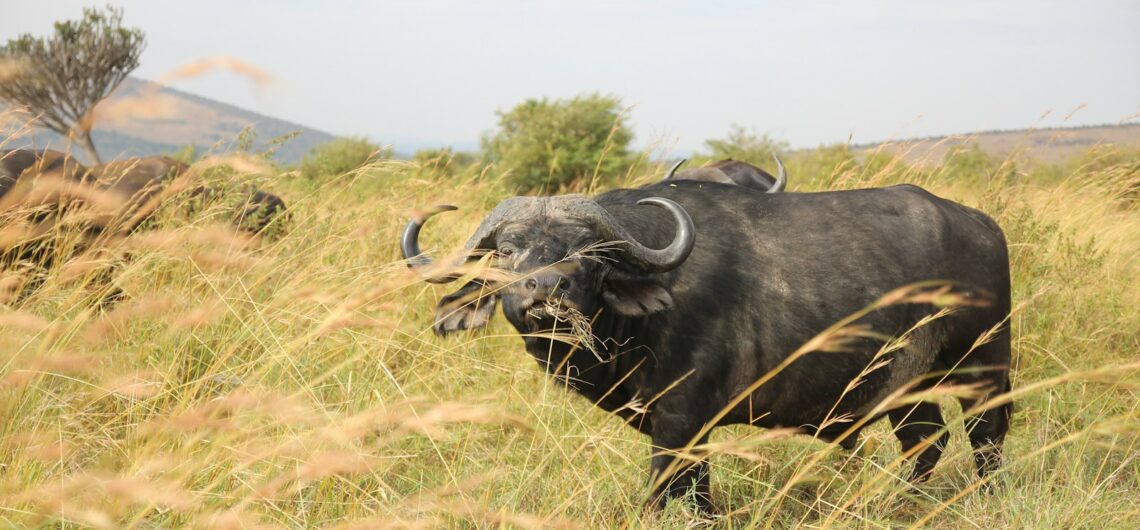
x=569 y=325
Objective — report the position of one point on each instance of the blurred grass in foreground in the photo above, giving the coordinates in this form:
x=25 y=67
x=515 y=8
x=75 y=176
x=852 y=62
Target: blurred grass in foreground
x=296 y=382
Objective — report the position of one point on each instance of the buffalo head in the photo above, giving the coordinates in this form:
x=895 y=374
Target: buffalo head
x=558 y=254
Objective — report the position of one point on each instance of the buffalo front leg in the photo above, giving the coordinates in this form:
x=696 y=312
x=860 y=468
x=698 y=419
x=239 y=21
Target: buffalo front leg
x=675 y=471
x=919 y=426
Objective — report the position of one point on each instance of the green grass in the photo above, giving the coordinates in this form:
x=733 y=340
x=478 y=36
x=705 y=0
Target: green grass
x=296 y=382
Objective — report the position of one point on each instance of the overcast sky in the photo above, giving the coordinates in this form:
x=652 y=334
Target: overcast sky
x=421 y=72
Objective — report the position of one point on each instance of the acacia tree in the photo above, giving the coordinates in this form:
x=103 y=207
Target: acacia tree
x=60 y=79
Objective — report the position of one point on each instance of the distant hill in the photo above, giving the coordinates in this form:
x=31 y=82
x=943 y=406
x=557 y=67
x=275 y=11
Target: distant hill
x=171 y=119
x=1050 y=146
x=164 y=120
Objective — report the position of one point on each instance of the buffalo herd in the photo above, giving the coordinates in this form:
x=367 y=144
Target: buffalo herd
x=713 y=297
x=705 y=300
x=38 y=187
x=130 y=184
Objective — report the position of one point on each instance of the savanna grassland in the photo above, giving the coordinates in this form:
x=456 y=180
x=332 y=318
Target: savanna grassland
x=295 y=381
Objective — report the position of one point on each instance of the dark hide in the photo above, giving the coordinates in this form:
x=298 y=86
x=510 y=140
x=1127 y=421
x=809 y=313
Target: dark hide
x=137 y=181
x=259 y=210
x=12 y=165
x=768 y=272
x=15 y=163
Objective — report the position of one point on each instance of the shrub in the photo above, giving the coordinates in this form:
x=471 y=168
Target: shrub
x=443 y=160
x=969 y=163
x=557 y=143
x=745 y=145
x=339 y=157
x=188 y=154
x=824 y=168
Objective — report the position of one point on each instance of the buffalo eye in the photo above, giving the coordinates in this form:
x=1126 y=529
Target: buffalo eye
x=506 y=251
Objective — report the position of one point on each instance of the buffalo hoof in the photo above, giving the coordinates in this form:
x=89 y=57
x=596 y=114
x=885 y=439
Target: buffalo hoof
x=694 y=516
x=701 y=505
x=850 y=443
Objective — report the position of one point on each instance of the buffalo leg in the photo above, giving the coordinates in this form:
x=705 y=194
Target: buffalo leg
x=918 y=425
x=987 y=428
x=847 y=443
x=850 y=443
x=987 y=431
x=681 y=475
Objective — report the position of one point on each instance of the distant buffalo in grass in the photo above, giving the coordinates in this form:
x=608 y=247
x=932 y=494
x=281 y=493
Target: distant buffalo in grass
x=51 y=204
x=733 y=172
x=123 y=193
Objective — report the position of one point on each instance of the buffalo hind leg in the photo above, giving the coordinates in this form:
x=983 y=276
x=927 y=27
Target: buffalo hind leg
x=672 y=477
x=848 y=442
x=987 y=430
x=918 y=425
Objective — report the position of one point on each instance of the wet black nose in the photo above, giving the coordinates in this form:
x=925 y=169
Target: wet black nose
x=545 y=284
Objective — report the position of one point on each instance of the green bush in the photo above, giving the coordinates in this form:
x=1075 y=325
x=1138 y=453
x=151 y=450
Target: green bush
x=443 y=160
x=745 y=145
x=187 y=155
x=969 y=163
x=823 y=168
x=551 y=144
x=339 y=157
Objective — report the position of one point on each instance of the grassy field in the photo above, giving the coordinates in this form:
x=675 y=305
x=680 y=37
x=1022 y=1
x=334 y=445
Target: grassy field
x=295 y=381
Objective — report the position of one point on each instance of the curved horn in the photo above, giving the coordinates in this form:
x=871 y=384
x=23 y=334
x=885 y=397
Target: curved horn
x=781 y=177
x=645 y=258
x=669 y=174
x=410 y=243
x=483 y=239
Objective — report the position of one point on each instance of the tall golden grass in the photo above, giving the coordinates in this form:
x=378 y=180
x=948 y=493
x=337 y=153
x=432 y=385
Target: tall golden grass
x=296 y=382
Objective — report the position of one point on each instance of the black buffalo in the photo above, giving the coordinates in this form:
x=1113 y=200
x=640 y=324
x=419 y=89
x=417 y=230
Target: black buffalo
x=729 y=171
x=38 y=187
x=141 y=179
x=693 y=291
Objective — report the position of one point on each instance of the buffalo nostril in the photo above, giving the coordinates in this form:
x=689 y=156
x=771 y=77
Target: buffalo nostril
x=531 y=283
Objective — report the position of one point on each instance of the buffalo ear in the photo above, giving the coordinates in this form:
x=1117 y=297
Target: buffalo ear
x=636 y=297
x=469 y=308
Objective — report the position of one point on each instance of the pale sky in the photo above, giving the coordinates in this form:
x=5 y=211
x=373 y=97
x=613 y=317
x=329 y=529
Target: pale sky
x=421 y=72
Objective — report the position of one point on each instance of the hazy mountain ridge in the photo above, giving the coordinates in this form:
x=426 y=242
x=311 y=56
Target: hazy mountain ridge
x=170 y=119
x=1045 y=145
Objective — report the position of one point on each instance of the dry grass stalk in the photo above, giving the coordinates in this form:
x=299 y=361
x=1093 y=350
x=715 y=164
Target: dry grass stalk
x=218 y=62
x=135 y=386
x=111 y=325
x=21 y=320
